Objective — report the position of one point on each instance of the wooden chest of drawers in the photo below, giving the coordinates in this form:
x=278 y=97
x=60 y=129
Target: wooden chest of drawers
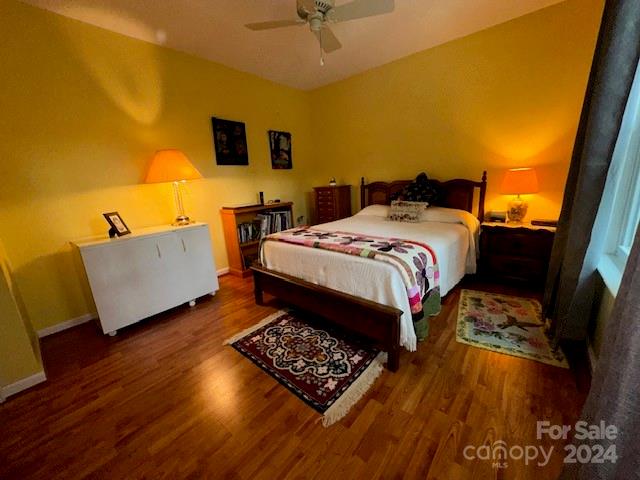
x=518 y=253
x=332 y=203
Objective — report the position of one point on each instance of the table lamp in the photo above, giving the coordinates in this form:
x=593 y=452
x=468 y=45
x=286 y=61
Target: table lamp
x=519 y=181
x=173 y=166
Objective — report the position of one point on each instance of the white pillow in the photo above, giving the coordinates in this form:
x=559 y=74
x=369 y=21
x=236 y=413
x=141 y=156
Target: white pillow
x=375 y=211
x=450 y=215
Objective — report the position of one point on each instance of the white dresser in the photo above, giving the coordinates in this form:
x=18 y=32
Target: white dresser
x=147 y=272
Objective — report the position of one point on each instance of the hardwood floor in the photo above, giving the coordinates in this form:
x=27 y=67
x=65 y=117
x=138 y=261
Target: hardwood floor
x=165 y=398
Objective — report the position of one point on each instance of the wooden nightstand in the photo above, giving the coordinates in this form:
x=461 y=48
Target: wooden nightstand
x=332 y=203
x=518 y=252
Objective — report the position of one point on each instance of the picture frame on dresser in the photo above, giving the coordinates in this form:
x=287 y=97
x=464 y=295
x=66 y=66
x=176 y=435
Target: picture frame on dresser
x=118 y=227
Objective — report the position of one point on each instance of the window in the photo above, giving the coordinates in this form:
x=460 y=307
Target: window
x=621 y=198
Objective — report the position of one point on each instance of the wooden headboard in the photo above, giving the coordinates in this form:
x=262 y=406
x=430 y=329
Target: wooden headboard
x=457 y=193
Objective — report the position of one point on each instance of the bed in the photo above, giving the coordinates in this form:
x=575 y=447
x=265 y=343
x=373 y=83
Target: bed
x=335 y=286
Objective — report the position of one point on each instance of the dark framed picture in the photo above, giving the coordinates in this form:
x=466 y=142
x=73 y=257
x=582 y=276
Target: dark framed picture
x=230 y=142
x=280 y=145
x=118 y=227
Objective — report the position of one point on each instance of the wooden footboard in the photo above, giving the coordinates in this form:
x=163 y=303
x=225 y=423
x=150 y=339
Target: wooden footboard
x=377 y=322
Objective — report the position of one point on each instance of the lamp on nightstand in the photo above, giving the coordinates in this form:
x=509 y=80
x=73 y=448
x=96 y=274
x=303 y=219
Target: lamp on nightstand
x=519 y=181
x=173 y=166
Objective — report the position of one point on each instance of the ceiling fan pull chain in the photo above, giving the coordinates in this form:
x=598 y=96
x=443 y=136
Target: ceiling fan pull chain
x=321 y=51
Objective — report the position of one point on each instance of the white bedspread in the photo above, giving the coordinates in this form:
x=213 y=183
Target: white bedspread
x=453 y=243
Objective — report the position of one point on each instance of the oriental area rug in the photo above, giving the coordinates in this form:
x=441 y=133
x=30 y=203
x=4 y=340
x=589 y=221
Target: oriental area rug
x=505 y=324
x=329 y=371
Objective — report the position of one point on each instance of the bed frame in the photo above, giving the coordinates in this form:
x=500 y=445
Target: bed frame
x=376 y=322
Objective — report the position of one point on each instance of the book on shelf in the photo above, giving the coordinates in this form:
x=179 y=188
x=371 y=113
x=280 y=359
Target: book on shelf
x=249 y=232
x=271 y=222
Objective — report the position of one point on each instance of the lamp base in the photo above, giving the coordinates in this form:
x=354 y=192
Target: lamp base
x=182 y=220
x=517 y=210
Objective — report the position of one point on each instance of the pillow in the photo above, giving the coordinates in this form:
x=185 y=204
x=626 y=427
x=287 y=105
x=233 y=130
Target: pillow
x=420 y=190
x=402 y=211
x=375 y=211
x=450 y=215
x=423 y=205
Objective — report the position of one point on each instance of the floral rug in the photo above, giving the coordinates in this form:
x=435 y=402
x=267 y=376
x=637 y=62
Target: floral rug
x=329 y=372
x=505 y=324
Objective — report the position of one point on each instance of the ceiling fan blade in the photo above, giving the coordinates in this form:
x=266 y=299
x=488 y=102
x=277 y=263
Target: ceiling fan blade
x=274 y=24
x=360 y=9
x=328 y=41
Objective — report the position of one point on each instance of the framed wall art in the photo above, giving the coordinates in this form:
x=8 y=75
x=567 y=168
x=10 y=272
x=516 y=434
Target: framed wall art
x=230 y=142
x=280 y=146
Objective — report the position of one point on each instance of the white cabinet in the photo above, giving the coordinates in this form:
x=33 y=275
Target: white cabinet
x=147 y=272
x=194 y=250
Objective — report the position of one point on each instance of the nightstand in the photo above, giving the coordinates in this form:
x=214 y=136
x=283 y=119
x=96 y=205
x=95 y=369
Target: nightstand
x=519 y=252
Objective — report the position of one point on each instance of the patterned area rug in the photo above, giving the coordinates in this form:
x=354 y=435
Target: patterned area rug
x=328 y=372
x=505 y=324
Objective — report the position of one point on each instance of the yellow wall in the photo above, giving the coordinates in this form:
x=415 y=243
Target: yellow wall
x=19 y=349
x=83 y=110
x=508 y=96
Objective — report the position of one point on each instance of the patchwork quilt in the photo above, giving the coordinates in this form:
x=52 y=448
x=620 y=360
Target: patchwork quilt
x=415 y=262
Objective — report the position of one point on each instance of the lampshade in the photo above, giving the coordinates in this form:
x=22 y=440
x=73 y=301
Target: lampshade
x=519 y=181
x=171 y=166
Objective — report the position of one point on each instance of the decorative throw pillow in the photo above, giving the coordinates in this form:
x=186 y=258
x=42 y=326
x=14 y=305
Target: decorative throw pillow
x=402 y=211
x=420 y=190
x=422 y=205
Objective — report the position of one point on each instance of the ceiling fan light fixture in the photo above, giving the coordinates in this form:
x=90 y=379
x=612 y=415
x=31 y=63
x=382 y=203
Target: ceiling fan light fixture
x=324 y=5
x=319 y=13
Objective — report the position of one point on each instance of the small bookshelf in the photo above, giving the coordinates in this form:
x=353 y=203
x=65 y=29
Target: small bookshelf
x=245 y=226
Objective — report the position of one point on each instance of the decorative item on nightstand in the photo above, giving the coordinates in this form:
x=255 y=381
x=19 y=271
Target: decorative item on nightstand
x=173 y=166
x=519 y=181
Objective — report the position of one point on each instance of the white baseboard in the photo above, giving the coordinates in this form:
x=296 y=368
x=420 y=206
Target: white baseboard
x=65 y=325
x=23 y=384
x=88 y=317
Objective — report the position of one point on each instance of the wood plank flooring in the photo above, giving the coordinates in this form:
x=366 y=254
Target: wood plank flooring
x=165 y=399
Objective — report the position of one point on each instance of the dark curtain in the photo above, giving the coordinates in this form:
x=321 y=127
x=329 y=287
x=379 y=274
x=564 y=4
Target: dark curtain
x=570 y=282
x=614 y=396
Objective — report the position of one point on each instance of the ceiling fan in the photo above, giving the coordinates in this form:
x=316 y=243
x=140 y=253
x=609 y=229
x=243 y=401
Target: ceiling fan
x=319 y=13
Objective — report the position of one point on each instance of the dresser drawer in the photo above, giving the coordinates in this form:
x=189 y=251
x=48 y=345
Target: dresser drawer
x=325 y=202
x=516 y=267
x=525 y=244
x=515 y=253
x=325 y=193
x=326 y=212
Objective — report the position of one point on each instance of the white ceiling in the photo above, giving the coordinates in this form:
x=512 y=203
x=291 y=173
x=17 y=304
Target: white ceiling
x=213 y=29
